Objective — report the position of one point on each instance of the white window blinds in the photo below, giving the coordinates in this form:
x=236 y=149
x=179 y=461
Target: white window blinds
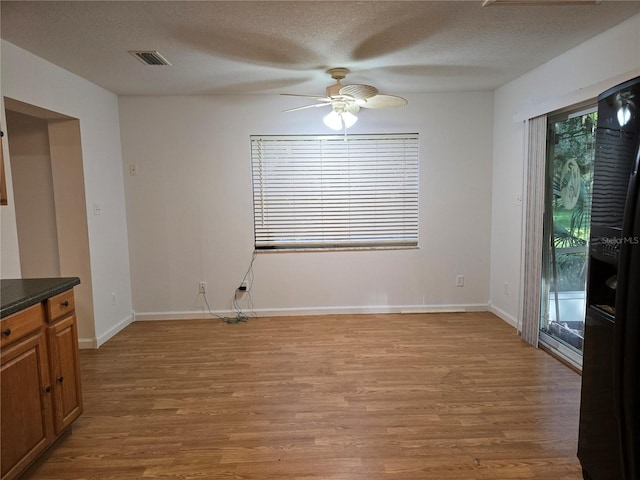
x=332 y=192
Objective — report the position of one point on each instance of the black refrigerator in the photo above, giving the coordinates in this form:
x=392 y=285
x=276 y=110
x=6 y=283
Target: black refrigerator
x=609 y=438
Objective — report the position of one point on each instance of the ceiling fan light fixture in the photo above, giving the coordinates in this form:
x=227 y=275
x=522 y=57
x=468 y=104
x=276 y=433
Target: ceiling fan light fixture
x=349 y=119
x=346 y=100
x=333 y=120
x=339 y=120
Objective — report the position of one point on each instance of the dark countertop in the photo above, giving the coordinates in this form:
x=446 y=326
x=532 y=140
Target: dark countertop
x=18 y=294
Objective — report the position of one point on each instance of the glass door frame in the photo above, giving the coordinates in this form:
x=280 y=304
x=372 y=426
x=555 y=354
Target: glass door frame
x=556 y=346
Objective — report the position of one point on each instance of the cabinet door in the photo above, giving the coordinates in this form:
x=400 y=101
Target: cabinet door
x=27 y=420
x=67 y=394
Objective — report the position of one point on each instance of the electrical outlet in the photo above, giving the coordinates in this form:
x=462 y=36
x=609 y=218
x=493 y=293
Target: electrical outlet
x=506 y=288
x=459 y=280
x=114 y=299
x=202 y=287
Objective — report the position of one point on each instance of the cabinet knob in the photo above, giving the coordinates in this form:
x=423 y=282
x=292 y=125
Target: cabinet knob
x=6 y=332
x=65 y=303
x=60 y=379
x=47 y=388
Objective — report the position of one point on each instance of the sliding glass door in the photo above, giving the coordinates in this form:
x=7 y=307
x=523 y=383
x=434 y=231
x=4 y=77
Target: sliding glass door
x=567 y=217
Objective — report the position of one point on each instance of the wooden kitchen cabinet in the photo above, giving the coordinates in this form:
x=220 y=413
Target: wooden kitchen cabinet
x=40 y=380
x=64 y=360
x=27 y=416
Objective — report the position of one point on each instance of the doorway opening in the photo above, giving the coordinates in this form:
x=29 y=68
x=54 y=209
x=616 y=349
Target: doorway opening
x=47 y=175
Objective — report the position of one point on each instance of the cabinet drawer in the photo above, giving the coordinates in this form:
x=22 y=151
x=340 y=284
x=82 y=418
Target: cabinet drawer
x=60 y=305
x=20 y=324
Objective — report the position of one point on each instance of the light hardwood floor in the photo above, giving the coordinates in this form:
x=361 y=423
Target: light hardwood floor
x=429 y=396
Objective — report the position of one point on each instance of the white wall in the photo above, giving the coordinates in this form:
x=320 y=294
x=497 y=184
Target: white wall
x=578 y=75
x=32 y=80
x=190 y=209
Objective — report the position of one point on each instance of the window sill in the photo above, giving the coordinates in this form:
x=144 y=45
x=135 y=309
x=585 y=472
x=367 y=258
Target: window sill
x=335 y=249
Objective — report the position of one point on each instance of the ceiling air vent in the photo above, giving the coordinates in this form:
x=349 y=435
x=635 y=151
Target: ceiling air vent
x=488 y=3
x=149 y=57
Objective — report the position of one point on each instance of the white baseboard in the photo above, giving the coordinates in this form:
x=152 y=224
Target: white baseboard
x=471 y=307
x=93 y=343
x=511 y=320
x=313 y=311
x=188 y=315
x=113 y=330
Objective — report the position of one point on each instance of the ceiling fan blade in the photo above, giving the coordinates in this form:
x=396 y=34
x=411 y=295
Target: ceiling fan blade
x=321 y=99
x=383 y=101
x=307 y=106
x=359 y=91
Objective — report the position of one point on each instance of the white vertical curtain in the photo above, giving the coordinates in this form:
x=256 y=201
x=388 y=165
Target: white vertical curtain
x=535 y=179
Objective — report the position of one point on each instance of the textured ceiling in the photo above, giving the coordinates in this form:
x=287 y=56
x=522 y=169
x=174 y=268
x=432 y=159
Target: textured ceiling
x=243 y=47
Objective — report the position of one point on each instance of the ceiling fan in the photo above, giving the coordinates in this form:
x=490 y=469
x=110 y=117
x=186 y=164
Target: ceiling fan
x=346 y=100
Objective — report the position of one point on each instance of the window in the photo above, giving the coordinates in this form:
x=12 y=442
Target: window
x=335 y=192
